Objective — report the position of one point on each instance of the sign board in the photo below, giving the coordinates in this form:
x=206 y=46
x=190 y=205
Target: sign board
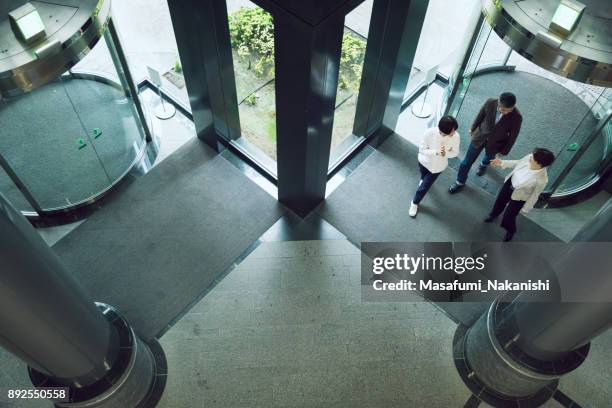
x=431 y=74
x=154 y=77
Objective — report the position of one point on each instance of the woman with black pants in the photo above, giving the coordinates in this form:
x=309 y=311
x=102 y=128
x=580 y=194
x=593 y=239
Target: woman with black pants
x=437 y=146
x=522 y=187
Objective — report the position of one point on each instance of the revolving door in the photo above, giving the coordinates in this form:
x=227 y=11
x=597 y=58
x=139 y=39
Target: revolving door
x=569 y=116
x=71 y=122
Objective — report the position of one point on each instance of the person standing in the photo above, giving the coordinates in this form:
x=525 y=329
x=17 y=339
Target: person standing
x=438 y=145
x=494 y=130
x=522 y=187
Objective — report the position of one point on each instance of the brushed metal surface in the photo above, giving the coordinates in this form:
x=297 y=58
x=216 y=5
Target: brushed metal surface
x=584 y=56
x=77 y=25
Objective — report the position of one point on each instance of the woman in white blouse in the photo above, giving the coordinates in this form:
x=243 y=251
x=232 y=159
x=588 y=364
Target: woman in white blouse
x=522 y=187
x=438 y=145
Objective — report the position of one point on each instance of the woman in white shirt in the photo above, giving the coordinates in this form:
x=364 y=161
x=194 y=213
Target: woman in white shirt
x=522 y=187
x=438 y=145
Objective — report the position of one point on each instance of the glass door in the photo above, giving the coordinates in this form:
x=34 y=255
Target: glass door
x=112 y=122
x=47 y=147
x=568 y=117
x=587 y=153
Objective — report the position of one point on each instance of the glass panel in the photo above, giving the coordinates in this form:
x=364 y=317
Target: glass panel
x=589 y=104
x=147 y=38
x=558 y=113
x=71 y=139
x=495 y=52
x=441 y=50
x=252 y=36
x=465 y=77
x=589 y=164
x=97 y=62
x=351 y=65
x=596 y=153
x=111 y=121
x=440 y=43
x=44 y=142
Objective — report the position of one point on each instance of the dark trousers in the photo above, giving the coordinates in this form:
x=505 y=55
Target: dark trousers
x=513 y=207
x=427 y=179
x=471 y=155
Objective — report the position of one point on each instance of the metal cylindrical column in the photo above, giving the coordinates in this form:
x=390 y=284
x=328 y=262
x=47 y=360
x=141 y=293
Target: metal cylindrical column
x=46 y=319
x=49 y=322
x=520 y=349
x=549 y=331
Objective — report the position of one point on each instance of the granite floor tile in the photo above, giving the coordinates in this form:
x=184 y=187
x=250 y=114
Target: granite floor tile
x=288 y=328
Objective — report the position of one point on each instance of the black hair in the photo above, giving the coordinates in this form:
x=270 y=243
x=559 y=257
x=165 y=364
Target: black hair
x=544 y=157
x=447 y=124
x=507 y=100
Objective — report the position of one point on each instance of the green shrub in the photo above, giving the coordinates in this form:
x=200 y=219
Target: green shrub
x=178 y=68
x=251 y=100
x=351 y=62
x=252 y=36
x=271 y=130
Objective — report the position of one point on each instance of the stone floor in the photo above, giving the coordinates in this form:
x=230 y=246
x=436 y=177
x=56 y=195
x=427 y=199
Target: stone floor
x=565 y=222
x=170 y=134
x=287 y=328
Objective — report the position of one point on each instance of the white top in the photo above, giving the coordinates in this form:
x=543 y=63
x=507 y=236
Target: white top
x=524 y=177
x=528 y=184
x=429 y=150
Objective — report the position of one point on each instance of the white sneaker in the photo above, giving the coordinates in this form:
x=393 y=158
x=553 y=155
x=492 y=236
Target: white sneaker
x=413 y=210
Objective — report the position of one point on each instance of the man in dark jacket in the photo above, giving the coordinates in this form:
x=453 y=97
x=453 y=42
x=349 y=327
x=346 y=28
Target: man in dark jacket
x=494 y=130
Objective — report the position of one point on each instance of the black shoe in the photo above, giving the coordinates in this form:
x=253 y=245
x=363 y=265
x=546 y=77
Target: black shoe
x=481 y=170
x=455 y=188
x=490 y=218
x=508 y=236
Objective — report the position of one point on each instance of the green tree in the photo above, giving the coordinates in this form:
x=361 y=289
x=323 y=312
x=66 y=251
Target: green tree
x=351 y=62
x=252 y=36
x=251 y=100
